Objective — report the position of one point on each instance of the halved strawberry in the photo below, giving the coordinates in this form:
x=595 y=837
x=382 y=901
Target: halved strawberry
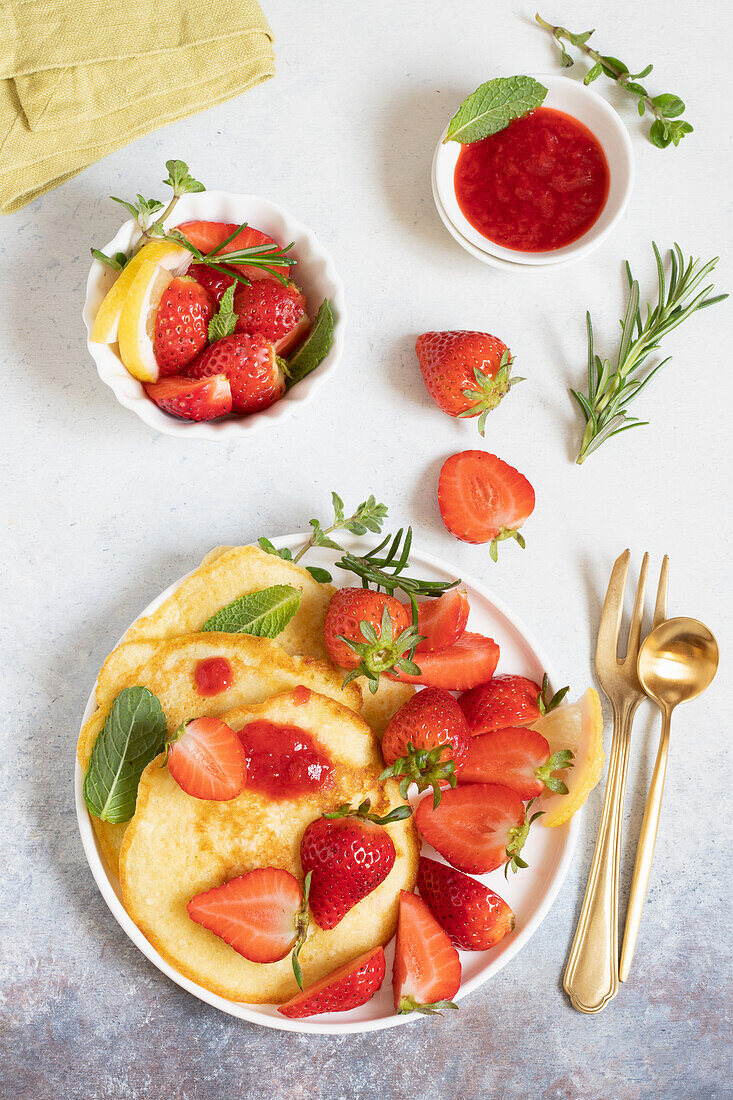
x=275 y=310
x=477 y=828
x=483 y=499
x=254 y=371
x=426 y=742
x=206 y=759
x=474 y=917
x=215 y=282
x=260 y=914
x=441 y=621
x=206 y=236
x=459 y=667
x=516 y=758
x=190 y=399
x=181 y=324
x=347 y=987
x=427 y=971
x=507 y=701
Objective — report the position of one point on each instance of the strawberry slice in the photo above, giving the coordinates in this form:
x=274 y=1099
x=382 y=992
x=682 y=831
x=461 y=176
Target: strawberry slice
x=190 y=399
x=516 y=758
x=346 y=987
x=250 y=363
x=483 y=499
x=215 y=282
x=441 y=621
x=469 y=662
x=181 y=324
x=477 y=828
x=501 y=702
x=260 y=914
x=206 y=759
x=474 y=917
x=274 y=310
x=206 y=236
x=427 y=971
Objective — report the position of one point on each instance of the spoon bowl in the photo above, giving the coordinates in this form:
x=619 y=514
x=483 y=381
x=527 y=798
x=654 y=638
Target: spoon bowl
x=677 y=661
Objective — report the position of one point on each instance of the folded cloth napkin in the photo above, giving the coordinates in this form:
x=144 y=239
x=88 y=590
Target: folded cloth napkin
x=79 y=78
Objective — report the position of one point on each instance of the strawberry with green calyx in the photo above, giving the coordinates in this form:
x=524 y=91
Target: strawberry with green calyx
x=426 y=742
x=517 y=836
x=466 y=373
x=545 y=705
x=481 y=498
x=507 y=701
x=427 y=970
x=349 y=853
x=518 y=758
x=368 y=632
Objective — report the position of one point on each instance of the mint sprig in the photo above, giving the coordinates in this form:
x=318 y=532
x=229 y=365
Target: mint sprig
x=493 y=106
x=263 y=614
x=315 y=349
x=224 y=321
x=369 y=516
x=133 y=735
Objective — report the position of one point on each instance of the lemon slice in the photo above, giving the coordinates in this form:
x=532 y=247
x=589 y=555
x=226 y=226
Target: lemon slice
x=168 y=255
x=578 y=727
x=137 y=320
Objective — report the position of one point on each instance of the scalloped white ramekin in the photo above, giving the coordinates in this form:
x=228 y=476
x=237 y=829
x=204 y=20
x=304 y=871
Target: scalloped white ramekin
x=315 y=273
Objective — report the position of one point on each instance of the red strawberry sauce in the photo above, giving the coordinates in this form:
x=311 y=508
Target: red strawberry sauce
x=212 y=675
x=537 y=185
x=283 y=761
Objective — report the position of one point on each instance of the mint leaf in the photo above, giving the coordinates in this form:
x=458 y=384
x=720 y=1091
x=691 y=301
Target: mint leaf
x=264 y=614
x=133 y=735
x=224 y=322
x=143 y=211
x=315 y=349
x=493 y=106
x=180 y=179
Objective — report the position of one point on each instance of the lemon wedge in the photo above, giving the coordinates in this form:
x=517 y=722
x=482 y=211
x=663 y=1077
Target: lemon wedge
x=137 y=320
x=171 y=256
x=578 y=727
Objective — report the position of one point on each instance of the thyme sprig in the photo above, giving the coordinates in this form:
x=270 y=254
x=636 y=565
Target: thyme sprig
x=612 y=389
x=667 y=128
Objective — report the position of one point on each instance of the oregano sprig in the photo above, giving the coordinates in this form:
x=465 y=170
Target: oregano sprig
x=369 y=516
x=667 y=128
x=611 y=389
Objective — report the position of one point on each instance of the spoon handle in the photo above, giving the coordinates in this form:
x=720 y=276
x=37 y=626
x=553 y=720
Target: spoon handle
x=645 y=849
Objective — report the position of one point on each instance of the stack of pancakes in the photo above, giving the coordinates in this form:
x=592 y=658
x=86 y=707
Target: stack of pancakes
x=177 y=846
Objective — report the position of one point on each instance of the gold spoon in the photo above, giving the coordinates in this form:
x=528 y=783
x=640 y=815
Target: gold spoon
x=677 y=661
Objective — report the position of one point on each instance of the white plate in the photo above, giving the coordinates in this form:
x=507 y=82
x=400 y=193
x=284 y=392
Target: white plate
x=573 y=98
x=315 y=273
x=530 y=892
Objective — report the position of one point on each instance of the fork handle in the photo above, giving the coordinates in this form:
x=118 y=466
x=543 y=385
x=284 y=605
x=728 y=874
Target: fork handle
x=591 y=976
x=645 y=850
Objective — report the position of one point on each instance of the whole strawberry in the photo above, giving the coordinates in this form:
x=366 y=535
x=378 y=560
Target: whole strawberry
x=215 y=282
x=255 y=372
x=426 y=742
x=181 y=325
x=349 y=853
x=466 y=373
x=275 y=310
x=368 y=632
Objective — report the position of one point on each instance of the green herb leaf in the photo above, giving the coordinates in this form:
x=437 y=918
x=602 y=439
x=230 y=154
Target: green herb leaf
x=315 y=349
x=321 y=575
x=593 y=74
x=493 y=106
x=264 y=614
x=132 y=736
x=660 y=134
x=116 y=262
x=143 y=211
x=180 y=179
x=224 y=321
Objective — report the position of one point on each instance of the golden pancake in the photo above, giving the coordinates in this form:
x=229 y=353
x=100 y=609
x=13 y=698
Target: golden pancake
x=177 y=846
x=259 y=669
x=376 y=710
x=225 y=574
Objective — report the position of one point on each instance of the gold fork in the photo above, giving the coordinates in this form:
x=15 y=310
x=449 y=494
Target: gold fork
x=591 y=976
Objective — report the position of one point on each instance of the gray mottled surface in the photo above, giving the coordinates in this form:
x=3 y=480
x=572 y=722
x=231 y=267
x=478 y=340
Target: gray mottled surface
x=99 y=515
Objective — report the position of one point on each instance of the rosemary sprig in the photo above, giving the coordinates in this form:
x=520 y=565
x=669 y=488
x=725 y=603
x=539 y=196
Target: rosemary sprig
x=611 y=390
x=268 y=257
x=667 y=128
x=369 y=516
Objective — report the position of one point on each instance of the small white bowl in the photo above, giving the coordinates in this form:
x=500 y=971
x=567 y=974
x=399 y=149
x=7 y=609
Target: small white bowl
x=572 y=97
x=315 y=273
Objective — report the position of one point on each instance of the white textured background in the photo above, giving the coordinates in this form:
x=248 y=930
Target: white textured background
x=100 y=514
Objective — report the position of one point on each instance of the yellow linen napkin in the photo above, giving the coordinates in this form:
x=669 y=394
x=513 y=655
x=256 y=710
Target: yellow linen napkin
x=79 y=78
